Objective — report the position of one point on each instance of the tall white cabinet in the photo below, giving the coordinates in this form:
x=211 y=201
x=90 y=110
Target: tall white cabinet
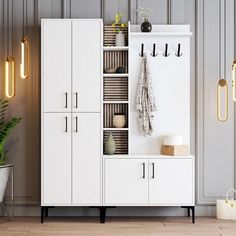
x=81 y=95
x=71 y=112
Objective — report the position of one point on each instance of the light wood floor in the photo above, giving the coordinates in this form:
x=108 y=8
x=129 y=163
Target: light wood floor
x=138 y=227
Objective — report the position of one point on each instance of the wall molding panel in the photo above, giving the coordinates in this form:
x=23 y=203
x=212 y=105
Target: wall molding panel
x=215 y=140
x=212 y=23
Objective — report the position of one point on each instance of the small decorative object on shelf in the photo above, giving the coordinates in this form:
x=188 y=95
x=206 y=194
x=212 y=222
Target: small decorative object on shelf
x=110 y=145
x=118 y=25
x=119 y=120
x=146 y=26
x=120 y=39
x=111 y=70
x=175 y=150
x=120 y=70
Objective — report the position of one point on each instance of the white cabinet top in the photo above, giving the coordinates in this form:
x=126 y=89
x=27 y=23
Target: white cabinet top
x=147 y=157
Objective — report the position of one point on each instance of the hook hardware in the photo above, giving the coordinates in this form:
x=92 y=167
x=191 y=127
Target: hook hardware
x=142 y=48
x=154 y=54
x=166 y=54
x=178 y=54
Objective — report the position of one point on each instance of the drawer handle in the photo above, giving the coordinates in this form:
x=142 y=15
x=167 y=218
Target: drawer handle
x=76 y=124
x=66 y=130
x=153 y=170
x=66 y=100
x=143 y=170
x=76 y=100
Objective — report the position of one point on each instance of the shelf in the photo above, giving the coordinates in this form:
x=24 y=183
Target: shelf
x=114 y=48
x=115 y=102
x=121 y=140
x=114 y=129
x=158 y=34
x=115 y=75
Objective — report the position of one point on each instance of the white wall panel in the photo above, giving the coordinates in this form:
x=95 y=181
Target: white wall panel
x=215 y=141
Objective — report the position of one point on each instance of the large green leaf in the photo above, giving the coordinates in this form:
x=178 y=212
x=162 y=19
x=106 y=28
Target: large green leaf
x=5 y=129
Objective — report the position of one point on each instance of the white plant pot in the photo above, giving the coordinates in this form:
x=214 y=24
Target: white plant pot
x=120 y=39
x=4 y=176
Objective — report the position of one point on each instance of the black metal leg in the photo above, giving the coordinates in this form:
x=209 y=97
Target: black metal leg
x=42 y=214
x=188 y=209
x=193 y=214
x=102 y=214
x=192 y=208
x=46 y=211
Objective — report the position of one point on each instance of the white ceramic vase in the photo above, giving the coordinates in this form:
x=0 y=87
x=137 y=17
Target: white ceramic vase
x=120 y=39
x=4 y=176
x=110 y=145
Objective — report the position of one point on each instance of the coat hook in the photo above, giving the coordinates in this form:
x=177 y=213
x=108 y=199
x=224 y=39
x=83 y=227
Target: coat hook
x=178 y=54
x=154 y=54
x=166 y=54
x=142 y=47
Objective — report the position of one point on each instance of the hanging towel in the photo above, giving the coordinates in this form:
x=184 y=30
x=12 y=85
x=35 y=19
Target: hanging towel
x=145 y=100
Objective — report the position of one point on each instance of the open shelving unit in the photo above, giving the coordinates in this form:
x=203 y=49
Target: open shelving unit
x=115 y=89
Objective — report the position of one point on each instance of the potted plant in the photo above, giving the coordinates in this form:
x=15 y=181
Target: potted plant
x=5 y=129
x=146 y=26
x=120 y=37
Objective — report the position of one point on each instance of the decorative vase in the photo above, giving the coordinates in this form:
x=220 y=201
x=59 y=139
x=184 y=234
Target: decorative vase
x=119 y=120
x=4 y=176
x=120 y=39
x=120 y=70
x=110 y=145
x=146 y=26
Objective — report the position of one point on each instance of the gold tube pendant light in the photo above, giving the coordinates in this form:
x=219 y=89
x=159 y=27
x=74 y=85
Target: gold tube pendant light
x=9 y=76
x=233 y=80
x=222 y=87
x=25 y=47
x=25 y=58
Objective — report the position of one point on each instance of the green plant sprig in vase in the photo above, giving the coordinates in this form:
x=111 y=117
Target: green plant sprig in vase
x=5 y=129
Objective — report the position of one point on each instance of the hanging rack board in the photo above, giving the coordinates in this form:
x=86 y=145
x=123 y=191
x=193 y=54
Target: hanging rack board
x=170 y=73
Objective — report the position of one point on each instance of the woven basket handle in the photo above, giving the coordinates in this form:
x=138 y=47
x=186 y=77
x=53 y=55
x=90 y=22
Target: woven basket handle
x=229 y=191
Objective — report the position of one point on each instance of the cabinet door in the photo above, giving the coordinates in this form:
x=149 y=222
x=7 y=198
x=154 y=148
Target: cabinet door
x=126 y=182
x=56 y=158
x=87 y=64
x=171 y=182
x=86 y=158
x=56 y=65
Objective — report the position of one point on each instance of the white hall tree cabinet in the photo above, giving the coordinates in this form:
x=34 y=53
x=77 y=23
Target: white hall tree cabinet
x=79 y=98
x=71 y=144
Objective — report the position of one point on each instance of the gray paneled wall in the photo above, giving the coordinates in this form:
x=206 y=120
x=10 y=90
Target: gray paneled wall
x=215 y=142
x=212 y=24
